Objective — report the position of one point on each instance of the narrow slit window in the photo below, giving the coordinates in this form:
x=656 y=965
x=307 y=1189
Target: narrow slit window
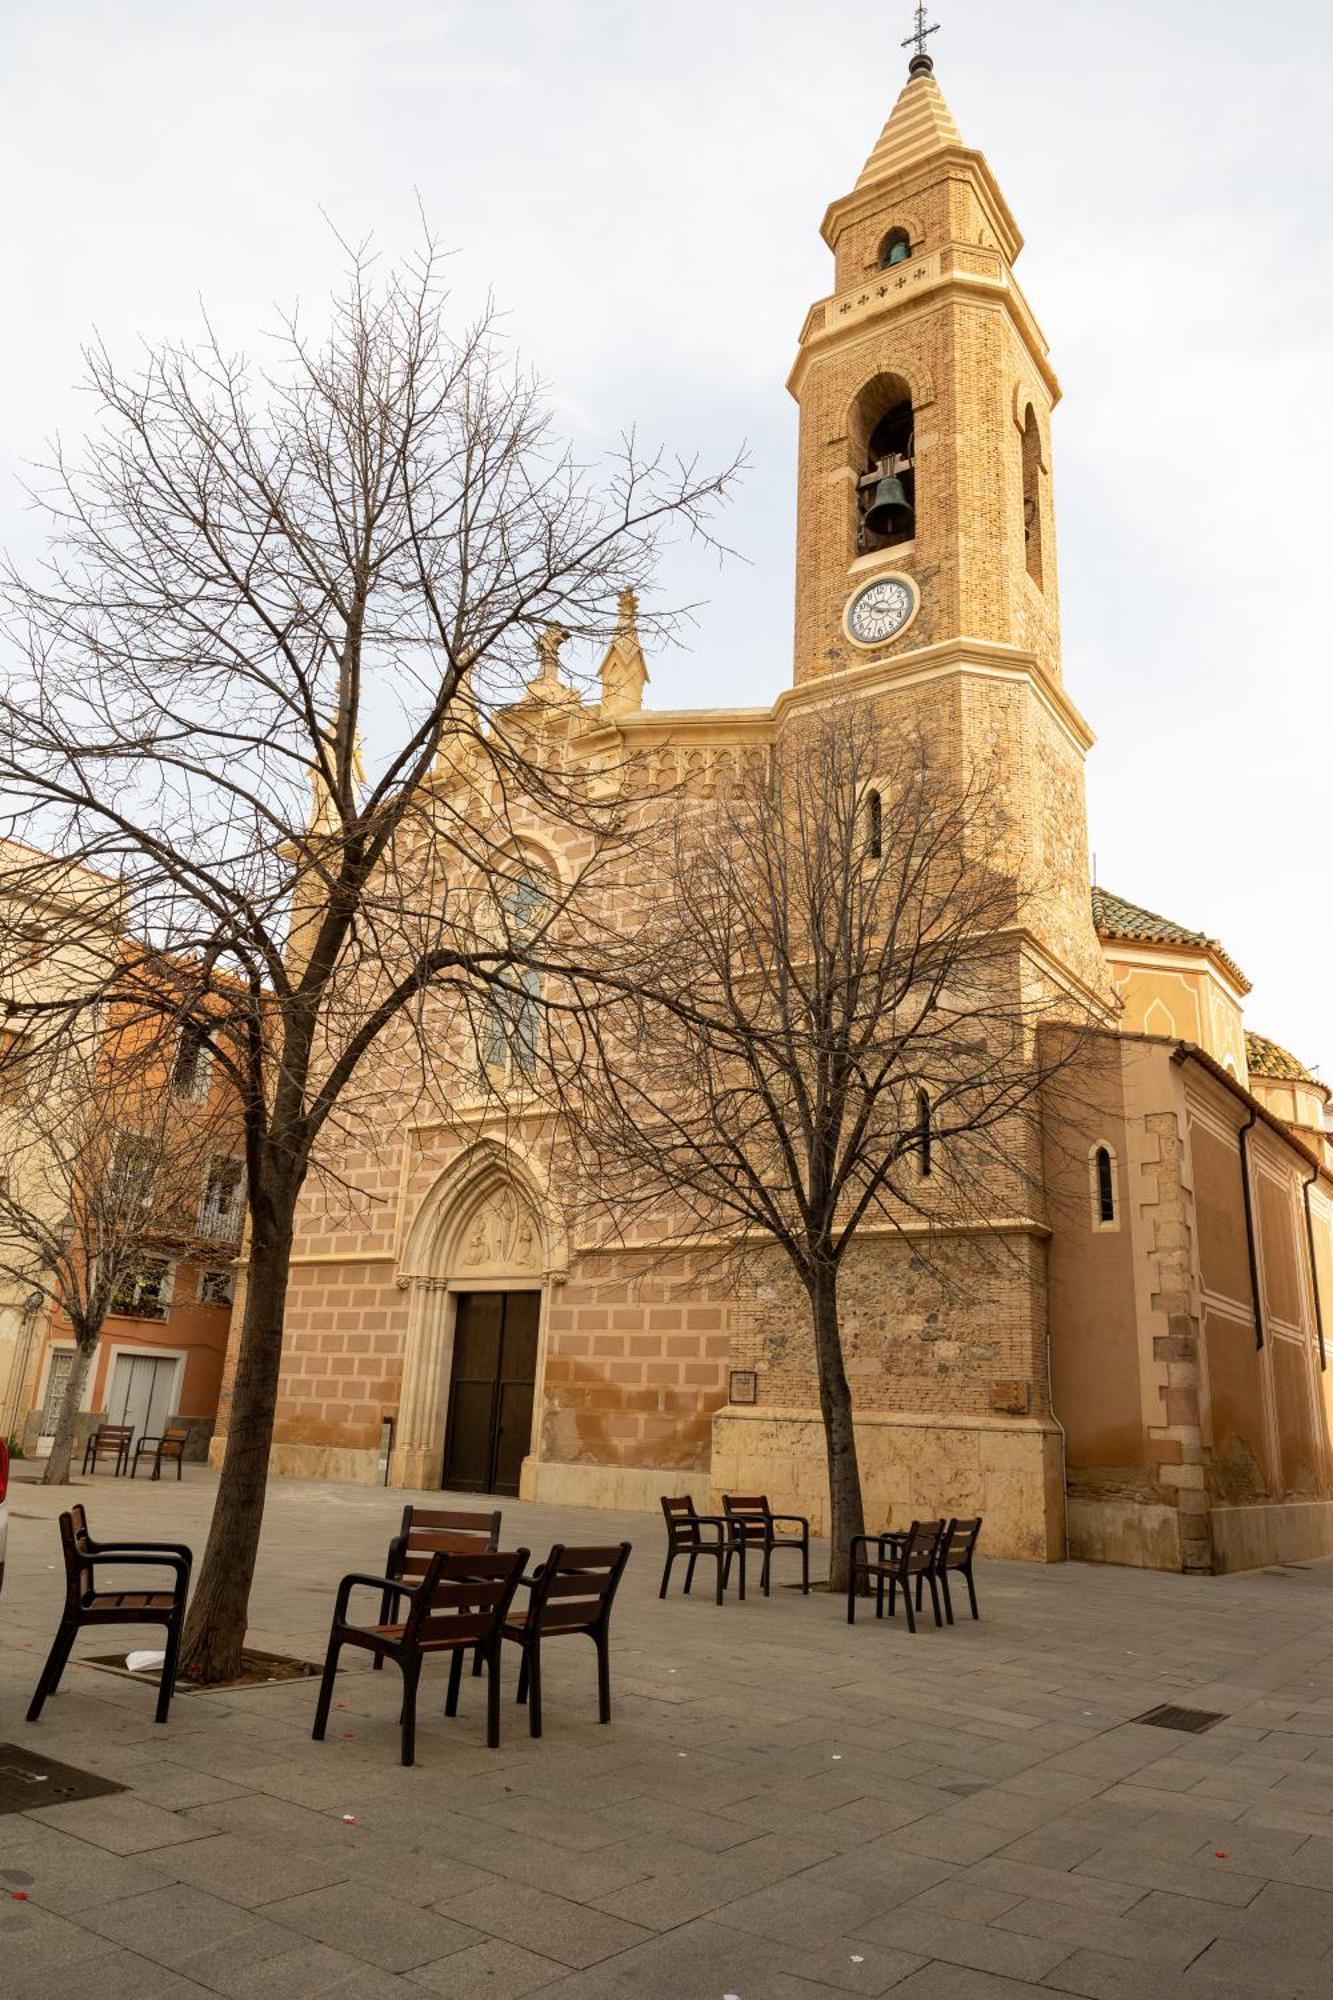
x=924 y=1136
x=1032 y=481
x=1105 y=1185
x=875 y=826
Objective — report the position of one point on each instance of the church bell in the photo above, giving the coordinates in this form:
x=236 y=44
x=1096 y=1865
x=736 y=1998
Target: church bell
x=890 y=512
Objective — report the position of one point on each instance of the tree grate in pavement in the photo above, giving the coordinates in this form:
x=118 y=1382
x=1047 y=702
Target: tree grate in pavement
x=1193 y=1721
x=28 y=1781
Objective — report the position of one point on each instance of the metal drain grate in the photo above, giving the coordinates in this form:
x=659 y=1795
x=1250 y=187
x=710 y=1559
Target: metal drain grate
x=1193 y=1721
x=28 y=1781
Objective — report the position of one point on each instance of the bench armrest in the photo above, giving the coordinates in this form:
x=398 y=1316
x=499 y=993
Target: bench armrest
x=127 y=1551
x=138 y=1558
x=691 y=1533
x=384 y=1584
x=880 y=1541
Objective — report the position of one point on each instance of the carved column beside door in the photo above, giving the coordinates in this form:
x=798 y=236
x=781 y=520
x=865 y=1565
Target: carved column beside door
x=419 y=1444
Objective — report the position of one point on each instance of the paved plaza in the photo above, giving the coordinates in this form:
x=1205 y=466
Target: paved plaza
x=782 y=1808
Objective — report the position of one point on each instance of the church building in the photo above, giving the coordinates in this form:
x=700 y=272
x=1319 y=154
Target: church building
x=1142 y=1376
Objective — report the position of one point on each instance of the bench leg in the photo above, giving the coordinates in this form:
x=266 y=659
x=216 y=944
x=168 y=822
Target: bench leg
x=54 y=1668
x=532 y=1659
x=603 y=1643
x=948 y=1601
x=326 y=1690
x=167 y=1684
x=689 y=1573
x=411 y=1667
x=971 y=1589
x=666 y=1572
x=493 y=1695
x=851 y=1594
x=455 y=1682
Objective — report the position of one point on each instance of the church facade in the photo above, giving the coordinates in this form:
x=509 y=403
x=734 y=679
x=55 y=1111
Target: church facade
x=1141 y=1375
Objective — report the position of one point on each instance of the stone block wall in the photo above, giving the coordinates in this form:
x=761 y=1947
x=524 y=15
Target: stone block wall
x=636 y=1364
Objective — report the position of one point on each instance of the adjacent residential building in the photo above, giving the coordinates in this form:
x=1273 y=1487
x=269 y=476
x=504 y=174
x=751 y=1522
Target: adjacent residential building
x=110 y=1101
x=57 y=930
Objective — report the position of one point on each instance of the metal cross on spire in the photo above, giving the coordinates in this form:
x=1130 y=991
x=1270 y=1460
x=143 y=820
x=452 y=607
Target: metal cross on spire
x=917 y=40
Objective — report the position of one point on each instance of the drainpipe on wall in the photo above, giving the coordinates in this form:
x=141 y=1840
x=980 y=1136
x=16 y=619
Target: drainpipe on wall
x=1243 y=1137
x=1314 y=1269
x=1064 y=1440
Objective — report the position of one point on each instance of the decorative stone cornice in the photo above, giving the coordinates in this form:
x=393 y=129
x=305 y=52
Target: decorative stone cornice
x=956 y=271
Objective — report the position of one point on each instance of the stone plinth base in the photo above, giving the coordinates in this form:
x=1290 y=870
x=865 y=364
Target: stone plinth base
x=1142 y=1535
x=1282 y=1532
x=632 y=1488
x=416 y=1467
x=1006 y=1469
x=315 y=1461
x=1137 y=1533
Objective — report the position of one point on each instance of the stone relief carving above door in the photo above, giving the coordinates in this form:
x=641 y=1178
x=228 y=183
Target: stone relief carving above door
x=500 y=1236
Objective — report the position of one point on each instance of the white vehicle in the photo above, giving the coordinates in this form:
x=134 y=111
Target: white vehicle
x=4 y=1505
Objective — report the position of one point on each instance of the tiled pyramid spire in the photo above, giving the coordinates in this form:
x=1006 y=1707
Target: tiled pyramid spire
x=920 y=125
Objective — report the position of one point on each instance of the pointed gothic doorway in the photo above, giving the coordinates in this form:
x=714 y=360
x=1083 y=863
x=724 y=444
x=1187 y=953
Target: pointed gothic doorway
x=489 y=1427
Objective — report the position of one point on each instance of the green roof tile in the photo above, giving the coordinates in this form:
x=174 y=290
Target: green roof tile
x=1267 y=1058
x=1115 y=918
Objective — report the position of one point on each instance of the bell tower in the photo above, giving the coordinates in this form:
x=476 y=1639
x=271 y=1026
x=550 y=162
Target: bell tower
x=925 y=395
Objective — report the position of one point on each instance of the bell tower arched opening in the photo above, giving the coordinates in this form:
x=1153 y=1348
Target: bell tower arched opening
x=882 y=436
x=895 y=249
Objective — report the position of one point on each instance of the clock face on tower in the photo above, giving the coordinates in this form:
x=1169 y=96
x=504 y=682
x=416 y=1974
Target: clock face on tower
x=880 y=610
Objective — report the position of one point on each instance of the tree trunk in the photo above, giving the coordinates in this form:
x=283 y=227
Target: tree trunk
x=835 y=1401
x=216 y=1624
x=57 y=1465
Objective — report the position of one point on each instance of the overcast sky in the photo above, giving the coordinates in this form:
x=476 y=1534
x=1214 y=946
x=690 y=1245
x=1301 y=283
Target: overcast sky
x=643 y=185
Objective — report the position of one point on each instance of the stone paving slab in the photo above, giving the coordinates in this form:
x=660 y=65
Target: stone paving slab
x=783 y=1807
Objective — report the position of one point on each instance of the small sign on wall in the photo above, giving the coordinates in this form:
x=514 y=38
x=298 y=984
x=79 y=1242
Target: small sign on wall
x=744 y=1387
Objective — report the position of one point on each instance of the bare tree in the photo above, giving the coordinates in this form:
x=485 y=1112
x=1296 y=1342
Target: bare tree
x=835 y=1024
x=250 y=575
x=111 y=1138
